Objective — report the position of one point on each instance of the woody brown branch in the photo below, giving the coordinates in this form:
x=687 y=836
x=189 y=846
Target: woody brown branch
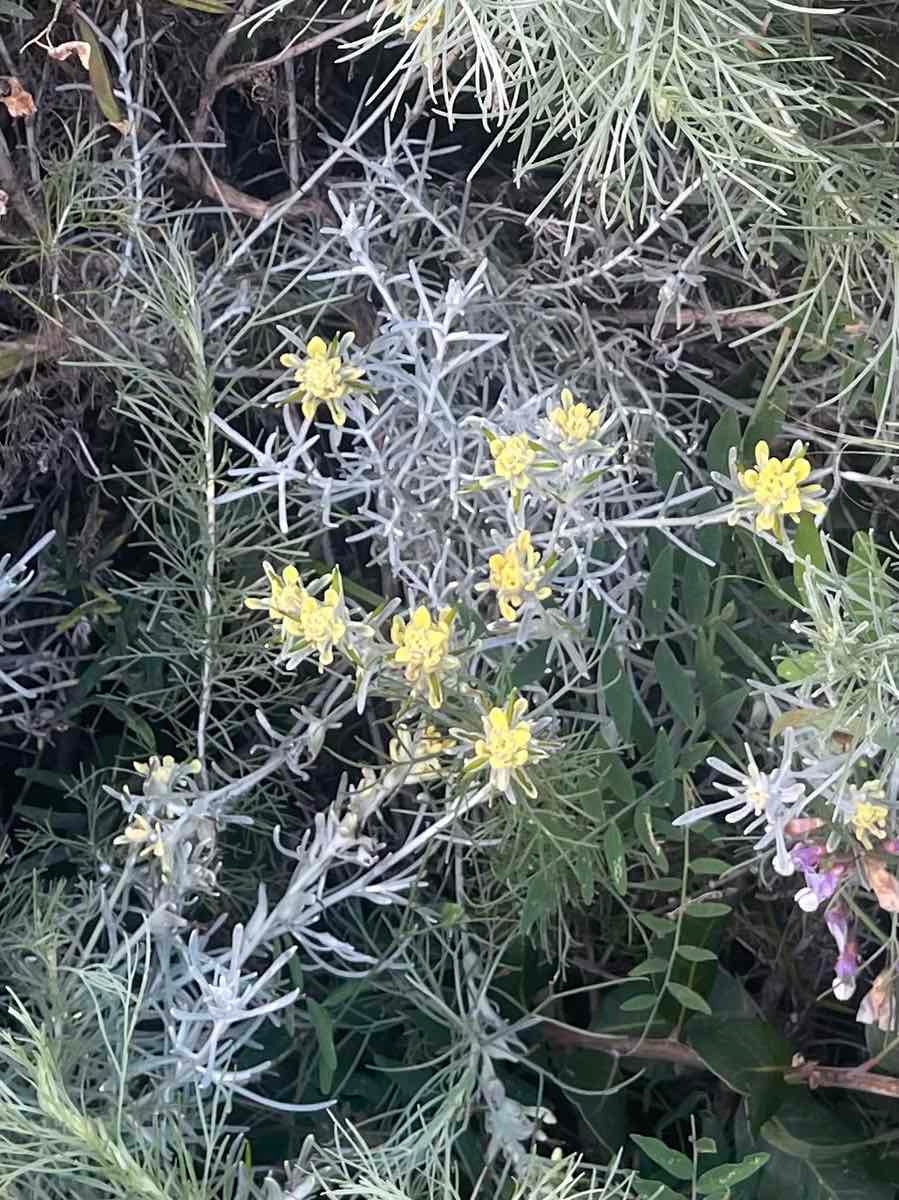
x=811 y=1074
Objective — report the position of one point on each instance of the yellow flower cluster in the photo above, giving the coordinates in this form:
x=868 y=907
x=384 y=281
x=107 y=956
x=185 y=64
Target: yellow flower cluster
x=420 y=753
x=422 y=650
x=574 y=423
x=303 y=618
x=869 y=818
x=161 y=774
x=515 y=575
x=505 y=746
x=775 y=488
x=140 y=832
x=512 y=459
x=323 y=378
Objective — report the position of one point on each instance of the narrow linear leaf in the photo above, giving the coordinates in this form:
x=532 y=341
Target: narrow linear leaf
x=327 y=1052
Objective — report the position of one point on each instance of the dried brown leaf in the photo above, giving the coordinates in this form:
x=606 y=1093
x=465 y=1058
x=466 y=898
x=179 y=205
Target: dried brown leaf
x=65 y=50
x=18 y=101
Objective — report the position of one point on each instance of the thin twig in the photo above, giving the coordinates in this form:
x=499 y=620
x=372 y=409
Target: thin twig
x=248 y=69
x=811 y=1074
x=211 y=85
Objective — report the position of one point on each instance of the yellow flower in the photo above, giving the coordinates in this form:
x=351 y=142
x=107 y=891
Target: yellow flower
x=507 y=745
x=868 y=819
x=139 y=832
x=422 y=649
x=323 y=377
x=420 y=753
x=775 y=489
x=512 y=457
x=574 y=423
x=398 y=9
x=515 y=575
x=302 y=618
x=161 y=775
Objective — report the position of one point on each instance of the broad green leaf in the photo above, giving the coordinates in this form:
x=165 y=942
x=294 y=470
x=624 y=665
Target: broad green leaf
x=667 y=462
x=640 y=1003
x=652 y=966
x=659 y=591
x=808 y=1130
x=721 y=714
x=530 y=667
x=613 y=850
x=661 y=926
x=676 y=684
x=724 y=435
x=650 y=1189
x=619 y=778
x=327 y=1053
x=708 y=866
x=706 y=1145
x=697 y=954
x=672 y=1161
x=750 y=1056
x=708 y=909
x=727 y=1175
x=687 y=998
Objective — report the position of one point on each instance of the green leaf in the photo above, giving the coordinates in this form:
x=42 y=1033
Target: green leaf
x=687 y=998
x=98 y=71
x=650 y=1189
x=646 y=834
x=539 y=900
x=697 y=954
x=676 y=685
x=728 y=1174
x=640 y=1003
x=721 y=714
x=661 y=926
x=327 y=1053
x=672 y=1161
x=619 y=778
x=750 y=1056
x=530 y=667
x=659 y=591
x=667 y=462
x=617 y=693
x=652 y=966
x=708 y=909
x=706 y=1145
x=806 y=1129
x=695 y=589
x=725 y=434
x=613 y=850
x=708 y=866
x=808 y=547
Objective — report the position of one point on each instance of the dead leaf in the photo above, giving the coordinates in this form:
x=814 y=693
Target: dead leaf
x=879 y=1006
x=65 y=50
x=884 y=885
x=4 y=202
x=19 y=102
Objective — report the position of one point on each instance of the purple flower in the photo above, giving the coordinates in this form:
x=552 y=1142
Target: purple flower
x=846 y=965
